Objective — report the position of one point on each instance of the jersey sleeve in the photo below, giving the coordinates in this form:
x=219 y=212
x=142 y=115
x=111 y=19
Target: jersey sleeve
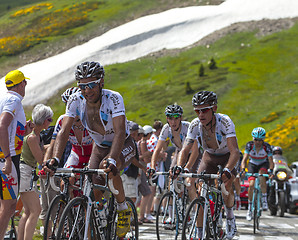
x=72 y=107
x=117 y=105
x=12 y=105
x=57 y=127
x=228 y=126
x=193 y=129
x=247 y=148
x=164 y=134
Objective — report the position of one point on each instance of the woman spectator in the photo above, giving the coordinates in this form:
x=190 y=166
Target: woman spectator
x=33 y=152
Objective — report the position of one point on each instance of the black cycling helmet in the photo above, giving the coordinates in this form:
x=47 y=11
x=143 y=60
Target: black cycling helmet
x=173 y=109
x=89 y=70
x=204 y=97
x=65 y=96
x=277 y=150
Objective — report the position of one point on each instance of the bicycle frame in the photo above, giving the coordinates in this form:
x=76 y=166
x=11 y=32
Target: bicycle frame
x=204 y=200
x=257 y=196
x=87 y=191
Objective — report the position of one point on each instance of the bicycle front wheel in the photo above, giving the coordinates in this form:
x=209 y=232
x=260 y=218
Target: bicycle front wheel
x=53 y=217
x=73 y=219
x=165 y=218
x=133 y=233
x=257 y=204
x=190 y=223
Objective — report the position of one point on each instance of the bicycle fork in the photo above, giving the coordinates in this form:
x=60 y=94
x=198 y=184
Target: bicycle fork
x=97 y=221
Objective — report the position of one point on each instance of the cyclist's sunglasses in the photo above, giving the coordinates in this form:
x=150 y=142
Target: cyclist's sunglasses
x=258 y=139
x=89 y=85
x=173 y=115
x=202 y=110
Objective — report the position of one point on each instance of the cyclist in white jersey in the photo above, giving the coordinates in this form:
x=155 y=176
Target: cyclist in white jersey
x=216 y=134
x=176 y=130
x=13 y=128
x=102 y=113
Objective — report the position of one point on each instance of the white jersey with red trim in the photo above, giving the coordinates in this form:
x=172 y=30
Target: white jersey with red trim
x=258 y=157
x=112 y=105
x=11 y=103
x=224 y=129
x=166 y=132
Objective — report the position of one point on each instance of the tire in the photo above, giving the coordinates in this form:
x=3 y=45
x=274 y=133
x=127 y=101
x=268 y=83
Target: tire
x=282 y=203
x=162 y=230
x=189 y=223
x=273 y=211
x=133 y=234
x=255 y=212
x=53 y=216
x=72 y=222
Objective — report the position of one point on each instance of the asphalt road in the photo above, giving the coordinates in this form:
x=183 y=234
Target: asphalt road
x=281 y=228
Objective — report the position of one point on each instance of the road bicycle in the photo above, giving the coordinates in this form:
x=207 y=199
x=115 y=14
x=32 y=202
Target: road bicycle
x=171 y=209
x=58 y=203
x=256 y=206
x=81 y=218
x=209 y=205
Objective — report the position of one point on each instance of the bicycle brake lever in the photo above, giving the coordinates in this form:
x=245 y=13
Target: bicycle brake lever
x=224 y=190
x=177 y=190
x=112 y=188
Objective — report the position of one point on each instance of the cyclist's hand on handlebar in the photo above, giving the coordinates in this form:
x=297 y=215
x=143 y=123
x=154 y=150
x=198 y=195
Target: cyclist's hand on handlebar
x=150 y=172
x=270 y=172
x=176 y=171
x=110 y=165
x=51 y=165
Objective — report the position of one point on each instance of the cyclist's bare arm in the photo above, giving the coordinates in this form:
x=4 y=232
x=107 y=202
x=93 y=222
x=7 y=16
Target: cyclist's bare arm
x=49 y=151
x=62 y=137
x=271 y=163
x=119 y=137
x=182 y=157
x=234 y=153
x=193 y=156
x=156 y=154
x=244 y=160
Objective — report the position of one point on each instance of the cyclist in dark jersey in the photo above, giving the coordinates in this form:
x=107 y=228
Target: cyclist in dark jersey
x=260 y=158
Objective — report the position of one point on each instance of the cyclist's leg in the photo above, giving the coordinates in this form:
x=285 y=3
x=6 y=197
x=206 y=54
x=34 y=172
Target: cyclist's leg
x=252 y=168
x=263 y=169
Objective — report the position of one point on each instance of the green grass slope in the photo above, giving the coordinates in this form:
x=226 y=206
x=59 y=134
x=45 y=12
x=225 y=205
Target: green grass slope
x=254 y=78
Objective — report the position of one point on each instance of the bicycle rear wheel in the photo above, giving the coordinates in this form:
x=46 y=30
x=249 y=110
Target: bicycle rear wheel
x=166 y=227
x=133 y=233
x=53 y=217
x=189 y=229
x=72 y=222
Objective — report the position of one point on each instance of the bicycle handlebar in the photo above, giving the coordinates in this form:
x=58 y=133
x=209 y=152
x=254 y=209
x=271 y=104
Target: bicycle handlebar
x=257 y=174
x=87 y=171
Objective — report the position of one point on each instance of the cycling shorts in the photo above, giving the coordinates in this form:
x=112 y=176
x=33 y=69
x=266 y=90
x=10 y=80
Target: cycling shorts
x=253 y=168
x=210 y=162
x=10 y=182
x=99 y=153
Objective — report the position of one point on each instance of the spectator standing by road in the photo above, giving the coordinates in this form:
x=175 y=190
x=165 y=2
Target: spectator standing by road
x=33 y=153
x=13 y=128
